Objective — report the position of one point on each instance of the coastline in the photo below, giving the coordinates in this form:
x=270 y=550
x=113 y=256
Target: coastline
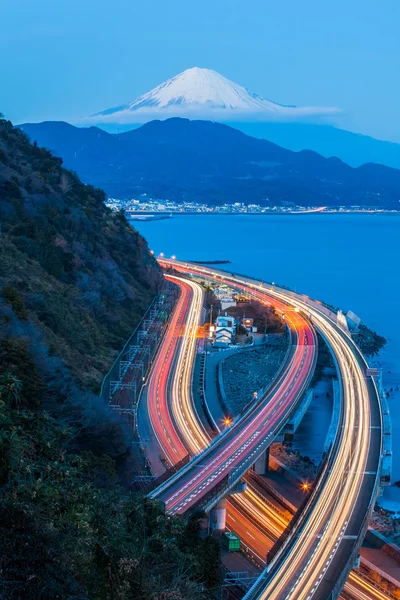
x=171 y=213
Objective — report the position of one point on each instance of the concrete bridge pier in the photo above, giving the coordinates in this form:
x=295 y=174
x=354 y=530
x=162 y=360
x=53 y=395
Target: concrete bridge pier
x=217 y=518
x=261 y=464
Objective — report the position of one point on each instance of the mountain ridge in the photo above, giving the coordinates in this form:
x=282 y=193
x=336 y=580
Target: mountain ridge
x=206 y=94
x=182 y=159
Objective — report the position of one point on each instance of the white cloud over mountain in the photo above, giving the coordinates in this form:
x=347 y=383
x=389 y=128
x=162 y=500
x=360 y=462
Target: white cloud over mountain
x=205 y=94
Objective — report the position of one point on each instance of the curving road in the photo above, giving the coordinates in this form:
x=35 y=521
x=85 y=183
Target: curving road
x=167 y=414
x=256 y=533
x=258 y=525
x=171 y=394
x=231 y=454
x=317 y=556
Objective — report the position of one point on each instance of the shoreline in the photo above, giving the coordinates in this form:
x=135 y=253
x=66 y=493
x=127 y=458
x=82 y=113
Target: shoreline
x=170 y=214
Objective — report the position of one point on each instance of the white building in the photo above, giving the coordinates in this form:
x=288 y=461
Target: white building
x=225 y=331
x=227 y=301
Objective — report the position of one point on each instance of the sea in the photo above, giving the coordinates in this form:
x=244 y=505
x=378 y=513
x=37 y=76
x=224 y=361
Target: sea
x=351 y=261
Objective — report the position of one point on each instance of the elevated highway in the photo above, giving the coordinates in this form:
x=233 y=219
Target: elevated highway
x=319 y=552
x=171 y=408
x=209 y=476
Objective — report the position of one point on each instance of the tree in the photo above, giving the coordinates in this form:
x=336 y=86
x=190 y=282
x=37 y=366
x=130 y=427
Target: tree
x=210 y=562
x=10 y=390
x=65 y=183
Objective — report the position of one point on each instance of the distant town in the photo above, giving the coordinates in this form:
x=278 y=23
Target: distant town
x=147 y=208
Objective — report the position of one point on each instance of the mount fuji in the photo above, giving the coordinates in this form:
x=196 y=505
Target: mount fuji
x=203 y=93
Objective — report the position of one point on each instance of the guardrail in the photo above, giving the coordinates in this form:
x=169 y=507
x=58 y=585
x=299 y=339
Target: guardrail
x=301 y=514
x=203 y=374
x=122 y=384
x=363 y=530
x=304 y=510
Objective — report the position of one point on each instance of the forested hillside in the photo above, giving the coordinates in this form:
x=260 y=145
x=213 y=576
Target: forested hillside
x=74 y=281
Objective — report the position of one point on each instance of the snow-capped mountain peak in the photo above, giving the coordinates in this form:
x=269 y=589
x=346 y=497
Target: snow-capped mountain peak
x=201 y=87
x=201 y=93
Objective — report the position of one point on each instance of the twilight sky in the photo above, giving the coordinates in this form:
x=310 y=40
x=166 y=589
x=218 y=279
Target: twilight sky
x=66 y=59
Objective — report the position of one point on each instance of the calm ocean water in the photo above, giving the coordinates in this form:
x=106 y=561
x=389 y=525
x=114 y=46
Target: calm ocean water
x=350 y=261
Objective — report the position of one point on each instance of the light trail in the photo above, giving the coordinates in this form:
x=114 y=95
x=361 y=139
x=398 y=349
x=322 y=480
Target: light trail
x=255 y=428
x=192 y=432
x=184 y=412
x=300 y=573
x=254 y=517
x=358 y=588
x=159 y=414
x=247 y=436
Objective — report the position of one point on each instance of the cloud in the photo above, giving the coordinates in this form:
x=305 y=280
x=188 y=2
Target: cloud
x=285 y=113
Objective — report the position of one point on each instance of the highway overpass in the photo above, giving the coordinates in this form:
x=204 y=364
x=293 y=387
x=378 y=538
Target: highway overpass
x=318 y=554
x=211 y=475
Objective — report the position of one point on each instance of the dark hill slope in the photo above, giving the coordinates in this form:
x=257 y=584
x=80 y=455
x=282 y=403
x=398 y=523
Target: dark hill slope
x=213 y=163
x=71 y=268
x=74 y=280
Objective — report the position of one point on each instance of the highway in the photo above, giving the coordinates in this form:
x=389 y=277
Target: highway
x=175 y=400
x=329 y=533
x=359 y=588
x=187 y=421
x=157 y=389
x=232 y=453
x=258 y=525
x=315 y=560
x=236 y=508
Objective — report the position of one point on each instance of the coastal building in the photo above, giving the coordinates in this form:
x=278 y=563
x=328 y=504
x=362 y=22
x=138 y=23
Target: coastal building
x=225 y=295
x=227 y=301
x=225 y=331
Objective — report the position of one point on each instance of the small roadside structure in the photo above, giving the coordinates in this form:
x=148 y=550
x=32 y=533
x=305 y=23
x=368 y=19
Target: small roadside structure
x=227 y=301
x=248 y=324
x=225 y=331
x=225 y=295
x=230 y=541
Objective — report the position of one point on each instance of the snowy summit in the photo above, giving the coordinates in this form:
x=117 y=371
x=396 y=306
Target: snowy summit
x=202 y=93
